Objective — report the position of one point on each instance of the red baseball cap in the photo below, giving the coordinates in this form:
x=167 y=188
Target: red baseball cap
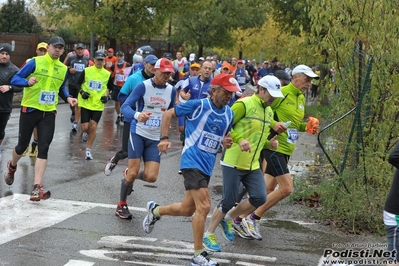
x=110 y=50
x=240 y=61
x=227 y=82
x=164 y=65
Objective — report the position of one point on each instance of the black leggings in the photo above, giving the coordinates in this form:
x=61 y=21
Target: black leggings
x=45 y=124
x=122 y=154
x=4 y=117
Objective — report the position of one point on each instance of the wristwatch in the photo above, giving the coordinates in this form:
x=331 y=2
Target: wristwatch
x=10 y=87
x=163 y=137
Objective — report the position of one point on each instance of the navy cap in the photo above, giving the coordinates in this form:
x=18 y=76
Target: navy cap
x=152 y=59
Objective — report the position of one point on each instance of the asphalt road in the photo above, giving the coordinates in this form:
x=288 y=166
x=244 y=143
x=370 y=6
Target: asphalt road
x=77 y=225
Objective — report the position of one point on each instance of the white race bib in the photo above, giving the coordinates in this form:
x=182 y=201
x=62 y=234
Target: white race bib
x=153 y=122
x=209 y=142
x=292 y=135
x=95 y=85
x=47 y=97
x=119 y=77
x=79 y=67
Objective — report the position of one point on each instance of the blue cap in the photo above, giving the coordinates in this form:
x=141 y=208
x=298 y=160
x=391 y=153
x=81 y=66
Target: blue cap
x=152 y=59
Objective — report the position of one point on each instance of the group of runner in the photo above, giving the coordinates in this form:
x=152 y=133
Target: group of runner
x=212 y=116
x=254 y=125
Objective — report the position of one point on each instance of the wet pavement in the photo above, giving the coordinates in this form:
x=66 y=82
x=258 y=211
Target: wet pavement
x=78 y=225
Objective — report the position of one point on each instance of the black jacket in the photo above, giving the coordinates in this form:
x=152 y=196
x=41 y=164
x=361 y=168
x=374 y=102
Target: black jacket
x=7 y=71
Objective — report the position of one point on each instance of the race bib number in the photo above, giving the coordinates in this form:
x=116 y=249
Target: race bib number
x=47 y=97
x=209 y=142
x=108 y=64
x=292 y=135
x=95 y=85
x=153 y=122
x=79 y=67
x=241 y=80
x=120 y=77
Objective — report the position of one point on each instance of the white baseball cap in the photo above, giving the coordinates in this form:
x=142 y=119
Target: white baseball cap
x=302 y=69
x=272 y=84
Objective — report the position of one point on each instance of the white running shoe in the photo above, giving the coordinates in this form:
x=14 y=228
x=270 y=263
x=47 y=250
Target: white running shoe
x=88 y=154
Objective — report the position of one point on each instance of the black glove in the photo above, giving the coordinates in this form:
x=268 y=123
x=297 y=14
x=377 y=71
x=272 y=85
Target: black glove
x=104 y=99
x=85 y=95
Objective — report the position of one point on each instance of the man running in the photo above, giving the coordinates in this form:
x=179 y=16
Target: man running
x=131 y=82
x=208 y=126
x=43 y=78
x=144 y=107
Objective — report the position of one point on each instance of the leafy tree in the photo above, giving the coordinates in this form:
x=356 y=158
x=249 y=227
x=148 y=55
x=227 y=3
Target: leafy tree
x=15 y=18
x=292 y=16
x=209 y=23
x=111 y=20
x=356 y=34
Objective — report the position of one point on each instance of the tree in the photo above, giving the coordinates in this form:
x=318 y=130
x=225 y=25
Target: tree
x=361 y=42
x=111 y=20
x=209 y=23
x=15 y=18
x=292 y=16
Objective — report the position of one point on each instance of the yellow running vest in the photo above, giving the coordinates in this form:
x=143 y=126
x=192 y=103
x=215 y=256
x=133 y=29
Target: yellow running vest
x=253 y=127
x=50 y=74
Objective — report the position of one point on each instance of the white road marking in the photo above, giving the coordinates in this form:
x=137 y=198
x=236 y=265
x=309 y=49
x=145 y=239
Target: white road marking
x=16 y=209
x=100 y=254
x=248 y=263
x=179 y=247
x=20 y=217
x=79 y=263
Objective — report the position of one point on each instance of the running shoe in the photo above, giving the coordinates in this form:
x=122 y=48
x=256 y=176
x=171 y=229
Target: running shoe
x=203 y=259
x=85 y=136
x=88 y=154
x=251 y=227
x=123 y=212
x=33 y=150
x=150 y=219
x=72 y=118
x=38 y=194
x=75 y=127
x=9 y=175
x=209 y=242
x=239 y=230
x=227 y=229
x=109 y=166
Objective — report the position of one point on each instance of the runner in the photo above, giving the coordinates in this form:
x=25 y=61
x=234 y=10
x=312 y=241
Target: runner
x=131 y=82
x=144 y=108
x=7 y=71
x=118 y=72
x=291 y=108
x=208 y=125
x=93 y=94
x=38 y=109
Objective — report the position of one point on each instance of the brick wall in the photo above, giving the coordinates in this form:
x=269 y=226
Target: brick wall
x=24 y=46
